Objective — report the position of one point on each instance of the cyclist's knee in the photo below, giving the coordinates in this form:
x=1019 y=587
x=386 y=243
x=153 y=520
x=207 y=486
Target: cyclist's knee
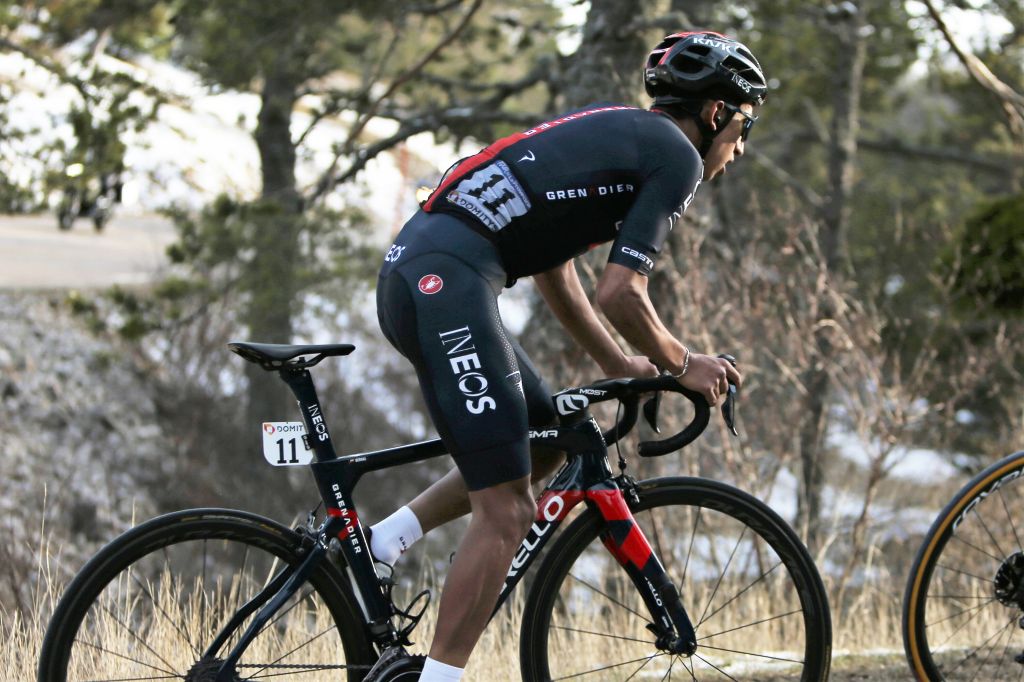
x=508 y=508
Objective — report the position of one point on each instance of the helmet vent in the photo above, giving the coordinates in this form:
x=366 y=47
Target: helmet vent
x=738 y=67
x=702 y=50
x=687 y=64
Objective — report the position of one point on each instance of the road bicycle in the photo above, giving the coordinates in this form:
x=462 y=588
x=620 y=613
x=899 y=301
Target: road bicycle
x=670 y=578
x=963 y=609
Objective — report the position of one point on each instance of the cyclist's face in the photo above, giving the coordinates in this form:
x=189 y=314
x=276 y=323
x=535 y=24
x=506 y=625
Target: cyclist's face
x=728 y=145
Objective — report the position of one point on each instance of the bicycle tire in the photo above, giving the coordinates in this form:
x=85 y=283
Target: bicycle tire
x=149 y=603
x=954 y=624
x=569 y=628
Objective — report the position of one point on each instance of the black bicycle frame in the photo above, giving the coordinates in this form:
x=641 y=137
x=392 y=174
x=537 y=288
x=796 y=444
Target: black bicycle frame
x=585 y=477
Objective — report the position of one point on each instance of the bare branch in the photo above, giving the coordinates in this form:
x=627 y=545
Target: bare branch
x=412 y=71
x=803 y=191
x=1012 y=101
x=327 y=181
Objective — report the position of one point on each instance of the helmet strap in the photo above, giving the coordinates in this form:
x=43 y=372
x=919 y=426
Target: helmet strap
x=692 y=109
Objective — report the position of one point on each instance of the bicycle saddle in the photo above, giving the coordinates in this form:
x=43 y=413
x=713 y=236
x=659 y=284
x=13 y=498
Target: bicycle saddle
x=274 y=356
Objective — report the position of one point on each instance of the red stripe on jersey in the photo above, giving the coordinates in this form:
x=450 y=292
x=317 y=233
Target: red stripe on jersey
x=496 y=148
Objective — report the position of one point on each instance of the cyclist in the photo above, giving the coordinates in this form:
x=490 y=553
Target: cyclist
x=527 y=205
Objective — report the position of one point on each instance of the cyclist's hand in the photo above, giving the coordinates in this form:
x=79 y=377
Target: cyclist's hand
x=633 y=367
x=710 y=376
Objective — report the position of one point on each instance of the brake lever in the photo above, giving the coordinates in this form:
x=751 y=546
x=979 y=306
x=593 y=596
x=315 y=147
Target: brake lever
x=729 y=406
x=651 y=411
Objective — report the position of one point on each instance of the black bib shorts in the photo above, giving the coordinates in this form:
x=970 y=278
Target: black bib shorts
x=437 y=305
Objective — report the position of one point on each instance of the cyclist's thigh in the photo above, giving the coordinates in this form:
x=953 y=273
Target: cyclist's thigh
x=539 y=407
x=443 y=315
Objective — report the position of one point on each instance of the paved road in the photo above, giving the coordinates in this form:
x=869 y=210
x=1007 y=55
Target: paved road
x=34 y=254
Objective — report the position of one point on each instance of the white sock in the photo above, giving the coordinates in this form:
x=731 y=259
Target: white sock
x=394 y=535
x=436 y=671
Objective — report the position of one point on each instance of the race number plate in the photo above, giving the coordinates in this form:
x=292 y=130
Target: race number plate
x=284 y=444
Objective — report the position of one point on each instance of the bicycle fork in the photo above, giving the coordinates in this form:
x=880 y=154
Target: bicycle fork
x=626 y=542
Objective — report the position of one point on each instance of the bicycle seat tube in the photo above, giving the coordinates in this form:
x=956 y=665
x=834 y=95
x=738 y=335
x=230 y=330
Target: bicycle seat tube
x=342 y=521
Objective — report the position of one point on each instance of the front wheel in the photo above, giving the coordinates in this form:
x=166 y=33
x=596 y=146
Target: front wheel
x=964 y=601
x=747 y=582
x=151 y=602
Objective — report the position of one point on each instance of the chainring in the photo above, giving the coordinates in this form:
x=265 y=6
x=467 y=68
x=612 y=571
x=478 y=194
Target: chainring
x=397 y=666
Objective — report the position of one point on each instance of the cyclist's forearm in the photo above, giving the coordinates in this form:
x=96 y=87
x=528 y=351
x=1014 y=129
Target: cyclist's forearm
x=564 y=294
x=631 y=313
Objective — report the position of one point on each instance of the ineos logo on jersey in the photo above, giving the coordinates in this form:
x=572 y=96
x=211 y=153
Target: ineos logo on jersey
x=678 y=213
x=472 y=384
x=394 y=253
x=528 y=156
x=430 y=284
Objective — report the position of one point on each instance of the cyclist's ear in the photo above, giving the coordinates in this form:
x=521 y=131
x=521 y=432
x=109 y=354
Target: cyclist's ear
x=713 y=113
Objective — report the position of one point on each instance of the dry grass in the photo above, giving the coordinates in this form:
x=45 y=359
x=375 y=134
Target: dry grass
x=496 y=657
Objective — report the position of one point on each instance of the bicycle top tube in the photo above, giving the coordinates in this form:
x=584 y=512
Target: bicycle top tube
x=292 y=363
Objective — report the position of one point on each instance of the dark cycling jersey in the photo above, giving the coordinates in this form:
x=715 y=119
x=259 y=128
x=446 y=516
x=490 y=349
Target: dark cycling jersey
x=521 y=206
x=549 y=193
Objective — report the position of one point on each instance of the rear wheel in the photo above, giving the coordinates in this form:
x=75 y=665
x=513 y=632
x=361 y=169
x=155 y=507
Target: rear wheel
x=746 y=580
x=965 y=595
x=150 y=603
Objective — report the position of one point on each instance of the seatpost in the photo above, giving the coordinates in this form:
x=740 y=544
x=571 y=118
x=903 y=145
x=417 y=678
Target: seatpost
x=301 y=383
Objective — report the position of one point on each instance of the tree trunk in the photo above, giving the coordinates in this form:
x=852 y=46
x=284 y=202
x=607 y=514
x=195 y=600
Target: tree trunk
x=851 y=55
x=605 y=68
x=273 y=272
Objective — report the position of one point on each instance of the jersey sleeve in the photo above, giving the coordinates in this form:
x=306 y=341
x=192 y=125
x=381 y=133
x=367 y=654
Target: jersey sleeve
x=670 y=174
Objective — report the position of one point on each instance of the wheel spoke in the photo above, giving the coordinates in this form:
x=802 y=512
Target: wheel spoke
x=134 y=635
x=286 y=655
x=979 y=550
x=961 y=572
x=721 y=576
x=751 y=653
x=606 y=635
x=178 y=628
x=715 y=667
x=749 y=625
x=971 y=654
x=609 y=598
x=608 y=667
x=129 y=658
x=1010 y=521
x=741 y=592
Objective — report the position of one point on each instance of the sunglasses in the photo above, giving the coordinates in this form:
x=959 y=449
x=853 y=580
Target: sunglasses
x=748 y=119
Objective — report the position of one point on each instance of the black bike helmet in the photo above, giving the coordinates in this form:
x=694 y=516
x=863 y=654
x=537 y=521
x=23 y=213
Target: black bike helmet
x=703 y=65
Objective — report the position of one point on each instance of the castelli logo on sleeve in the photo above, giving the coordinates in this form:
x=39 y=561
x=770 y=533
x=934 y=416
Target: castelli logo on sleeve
x=430 y=284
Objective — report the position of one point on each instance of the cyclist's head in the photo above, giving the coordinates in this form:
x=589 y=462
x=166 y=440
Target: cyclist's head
x=688 y=71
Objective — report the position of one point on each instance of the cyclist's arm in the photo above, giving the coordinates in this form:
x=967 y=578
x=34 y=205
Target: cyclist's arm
x=622 y=297
x=562 y=291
